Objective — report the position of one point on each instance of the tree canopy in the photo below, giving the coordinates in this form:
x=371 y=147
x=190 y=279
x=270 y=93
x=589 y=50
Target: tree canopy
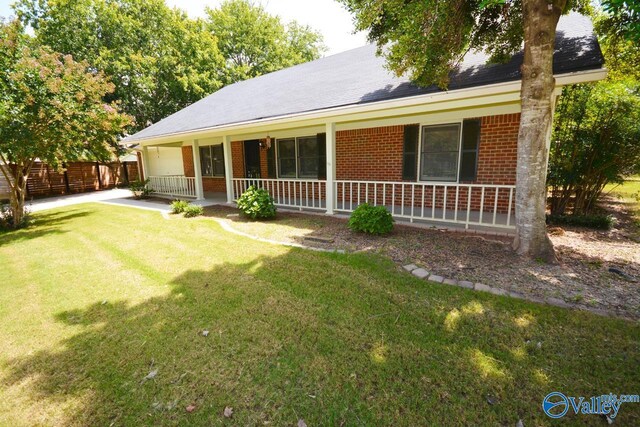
x=596 y=135
x=51 y=109
x=253 y=42
x=158 y=58
x=426 y=39
x=623 y=18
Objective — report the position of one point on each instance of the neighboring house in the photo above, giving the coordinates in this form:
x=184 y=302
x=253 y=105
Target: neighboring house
x=342 y=130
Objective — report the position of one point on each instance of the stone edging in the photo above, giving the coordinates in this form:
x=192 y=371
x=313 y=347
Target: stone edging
x=421 y=273
x=225 y=226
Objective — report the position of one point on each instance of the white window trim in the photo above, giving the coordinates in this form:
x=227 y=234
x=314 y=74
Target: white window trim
x=419 y=166
x=297 y=158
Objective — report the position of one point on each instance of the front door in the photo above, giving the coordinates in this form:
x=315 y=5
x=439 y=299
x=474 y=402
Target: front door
x=252 y=158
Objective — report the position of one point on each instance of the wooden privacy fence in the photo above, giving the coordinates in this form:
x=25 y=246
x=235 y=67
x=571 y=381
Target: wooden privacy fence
x=79 y=177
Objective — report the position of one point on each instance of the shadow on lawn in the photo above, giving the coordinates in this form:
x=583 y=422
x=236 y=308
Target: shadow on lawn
x=327 y=338
x=44 y=223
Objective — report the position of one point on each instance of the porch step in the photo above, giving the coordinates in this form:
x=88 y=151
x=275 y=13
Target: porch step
x=319 y=239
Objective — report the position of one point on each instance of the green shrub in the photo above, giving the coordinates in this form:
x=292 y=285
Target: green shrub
x=371 y=219
x=256 y=203
x=140 y=189
x=191 y=211
x=599 y=222
x=7 y=221
x=178 y=206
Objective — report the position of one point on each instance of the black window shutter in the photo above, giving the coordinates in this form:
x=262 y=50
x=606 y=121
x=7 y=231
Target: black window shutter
x=322 y=155
x=410 y=152
x=470 y=145
x=271 y=160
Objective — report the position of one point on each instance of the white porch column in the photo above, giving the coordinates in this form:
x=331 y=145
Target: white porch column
x=145 y=162
x=228 y=167
x=197 y=168
x=331 y=167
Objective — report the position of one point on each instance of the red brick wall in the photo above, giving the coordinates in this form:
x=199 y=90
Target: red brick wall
x=237 y=157
x=209 y=184
x=373 y=154
x=187 y=161
x=498 y=149
x=218 y=184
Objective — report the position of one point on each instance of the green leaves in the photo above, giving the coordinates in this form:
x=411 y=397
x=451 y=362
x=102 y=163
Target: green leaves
x=159 y=60
x=595 y=141
x=256 y=203
x=371 y=219
x=255 y=43
x=52 y=108
x=625 y=18
x=426 y=39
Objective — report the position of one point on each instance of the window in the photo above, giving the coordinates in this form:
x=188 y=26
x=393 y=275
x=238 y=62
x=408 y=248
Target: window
x=440 y=152
x=287 y=158
x=212 y=160
x=308 y=157
x=299 y=157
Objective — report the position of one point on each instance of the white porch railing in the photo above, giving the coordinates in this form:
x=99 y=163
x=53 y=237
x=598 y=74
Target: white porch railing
x=464 y=204
x=292 y=193
x=173 y=185
x=467 y=204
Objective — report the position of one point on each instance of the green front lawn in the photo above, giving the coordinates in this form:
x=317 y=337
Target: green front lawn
x=629 y=193
x=93 y=298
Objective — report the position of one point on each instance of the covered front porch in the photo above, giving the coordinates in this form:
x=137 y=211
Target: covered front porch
x=326 y=169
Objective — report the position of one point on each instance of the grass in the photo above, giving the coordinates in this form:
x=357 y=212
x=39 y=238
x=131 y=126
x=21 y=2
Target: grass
x=629 y=192
x=94 y=297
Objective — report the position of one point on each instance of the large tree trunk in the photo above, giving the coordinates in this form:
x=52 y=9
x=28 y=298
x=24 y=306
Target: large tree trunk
x=538 y=85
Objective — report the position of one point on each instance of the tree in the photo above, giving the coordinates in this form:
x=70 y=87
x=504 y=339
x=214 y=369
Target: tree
x=427 y=38
x=596 y=141
x=596 y=136
x=623 y=18
x=159 y=60
x=51 y=108
x=254 y=42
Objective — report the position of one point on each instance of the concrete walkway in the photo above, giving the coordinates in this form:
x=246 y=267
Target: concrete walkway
x=74 y=199
x=117 y=197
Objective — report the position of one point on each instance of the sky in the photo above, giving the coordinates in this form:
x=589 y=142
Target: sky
x=327 y=16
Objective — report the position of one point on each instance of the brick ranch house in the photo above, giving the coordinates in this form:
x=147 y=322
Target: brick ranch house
x=342 y=130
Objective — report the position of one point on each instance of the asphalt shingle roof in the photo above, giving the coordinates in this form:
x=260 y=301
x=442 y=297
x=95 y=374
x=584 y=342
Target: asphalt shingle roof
x=358 y=76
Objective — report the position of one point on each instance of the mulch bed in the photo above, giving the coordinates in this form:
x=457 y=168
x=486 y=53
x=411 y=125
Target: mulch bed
x=581 y=277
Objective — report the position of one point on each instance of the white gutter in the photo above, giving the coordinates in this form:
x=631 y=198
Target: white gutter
x=335 y=112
